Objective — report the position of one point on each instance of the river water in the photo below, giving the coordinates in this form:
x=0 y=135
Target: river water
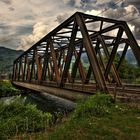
x=46 y=102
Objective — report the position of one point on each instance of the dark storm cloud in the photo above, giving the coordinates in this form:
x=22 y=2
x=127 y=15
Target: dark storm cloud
x=8 y=2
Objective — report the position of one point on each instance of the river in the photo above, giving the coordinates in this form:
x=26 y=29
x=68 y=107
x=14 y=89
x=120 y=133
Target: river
x=45 y=102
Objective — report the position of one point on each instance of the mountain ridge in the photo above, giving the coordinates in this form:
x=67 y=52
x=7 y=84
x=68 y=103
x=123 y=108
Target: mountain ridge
x=7 y=56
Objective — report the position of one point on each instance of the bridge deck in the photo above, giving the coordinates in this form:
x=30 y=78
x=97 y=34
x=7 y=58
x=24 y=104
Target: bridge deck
x=77 y=91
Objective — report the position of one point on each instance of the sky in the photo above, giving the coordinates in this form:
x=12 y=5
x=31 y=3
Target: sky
x=24 y=22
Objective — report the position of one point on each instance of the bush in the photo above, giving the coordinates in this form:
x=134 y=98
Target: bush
x=7 y=89
x=18 y=117
x=97 y=105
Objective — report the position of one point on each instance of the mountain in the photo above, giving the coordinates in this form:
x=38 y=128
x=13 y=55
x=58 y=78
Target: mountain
x=129 y=57
x=7 y=56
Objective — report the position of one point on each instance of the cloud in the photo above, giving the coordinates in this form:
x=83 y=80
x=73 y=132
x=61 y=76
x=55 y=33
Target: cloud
x=81 y=4
x=19 y=17
x=8 y=2
x=62 y=17
x=39 y=30
x=11 y=8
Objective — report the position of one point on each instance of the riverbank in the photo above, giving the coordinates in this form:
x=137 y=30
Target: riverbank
x=97 y=118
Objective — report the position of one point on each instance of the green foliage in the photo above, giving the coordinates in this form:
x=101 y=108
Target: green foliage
x=6 y=89
x=100 y=118
x=97 y=105
x=127 y=71
x=18 y=117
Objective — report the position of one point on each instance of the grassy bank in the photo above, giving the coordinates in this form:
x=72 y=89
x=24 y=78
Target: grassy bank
x=7 y=89
x=100 y=118
x=96 y=118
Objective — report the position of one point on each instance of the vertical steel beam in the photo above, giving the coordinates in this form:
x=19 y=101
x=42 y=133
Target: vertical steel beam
x=60 y=58
x=39 y=66
x=69 y=54
x=25 y=63
x=49 y=73
x=32 y=65
x=28 y=72
x=91 y=55
x=114 y=51
x=19 y=69
x=14 y=72
x=22 y=70
x=45 y=64
x=54 y=60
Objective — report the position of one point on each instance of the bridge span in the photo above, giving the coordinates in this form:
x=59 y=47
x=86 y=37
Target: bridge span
x=78 y=58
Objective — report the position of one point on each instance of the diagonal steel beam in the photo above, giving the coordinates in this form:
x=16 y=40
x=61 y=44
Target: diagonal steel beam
x=75 y=66
x=122 y=56
x=69 y=54
x=91 y=54
x=113 y=68
x=114 y=51
x=133 y=44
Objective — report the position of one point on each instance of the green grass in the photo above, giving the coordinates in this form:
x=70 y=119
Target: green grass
x=99 y=118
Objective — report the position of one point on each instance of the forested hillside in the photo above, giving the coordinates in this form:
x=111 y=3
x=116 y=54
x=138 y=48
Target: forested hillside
x=7 y=57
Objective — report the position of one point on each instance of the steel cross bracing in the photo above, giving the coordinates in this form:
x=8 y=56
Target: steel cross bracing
x=79 y=54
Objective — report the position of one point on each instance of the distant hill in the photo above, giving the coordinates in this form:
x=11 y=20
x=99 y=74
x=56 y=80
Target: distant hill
x=7 y=56
x=129 y=57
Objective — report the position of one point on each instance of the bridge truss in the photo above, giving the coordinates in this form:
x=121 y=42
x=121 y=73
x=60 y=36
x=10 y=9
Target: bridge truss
x=79 y=54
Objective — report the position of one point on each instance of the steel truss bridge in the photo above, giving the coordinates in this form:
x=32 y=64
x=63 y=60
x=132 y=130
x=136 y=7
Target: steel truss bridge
x=78 y=57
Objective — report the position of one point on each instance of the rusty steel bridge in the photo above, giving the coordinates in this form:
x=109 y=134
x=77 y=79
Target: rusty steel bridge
x=77 y=58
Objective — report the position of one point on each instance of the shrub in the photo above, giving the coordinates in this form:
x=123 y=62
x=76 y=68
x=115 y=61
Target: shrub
x=18 y=117
x=6 y=89
x=97 y=105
